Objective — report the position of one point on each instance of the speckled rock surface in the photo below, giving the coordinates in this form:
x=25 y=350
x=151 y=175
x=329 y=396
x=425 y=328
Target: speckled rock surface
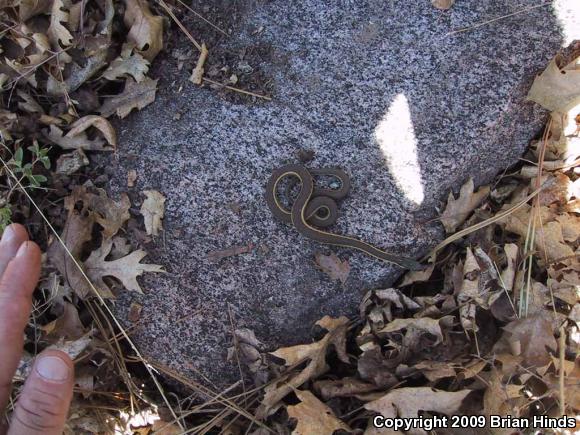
x=378 y=88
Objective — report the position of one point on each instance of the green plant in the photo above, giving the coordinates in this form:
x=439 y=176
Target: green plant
x=5 y=217
x=39 y=155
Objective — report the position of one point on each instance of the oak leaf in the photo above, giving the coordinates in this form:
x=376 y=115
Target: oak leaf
x=458 y=210
x=80 y=141
x=556 y=89
x=407 y=402
x=56 y=31
x=134 y=65
x=125 y=269
x=145 y=29
x=134 y=96
x=313 y=416
x=77 y=231
x=314 y=353
x=100 y=123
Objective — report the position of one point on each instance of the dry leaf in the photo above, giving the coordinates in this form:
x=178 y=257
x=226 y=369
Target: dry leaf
x=435 y=370
x=69 y=163
x=424 y=324
x=215 y=256
x=77 y=231
x=58 y=33
x=497 y=397
x=125 y=269
x=153 y=210
x=29 y=8
x=469 y=297
x=458 y=210
x=570 y=226
x=508 y=275
x=333 y=266
x=108 y=213
x=135 y=312
x=131 y=177
x=442 y=4
x=80 y=141
x=134 y=96
x=314 y=353
x=530 y=338
x=99 y=123
x=313 y=416
x=407 y=402
x=417 y=275
x=145 y=29
x=556 y=89
x=134 y=65
x=67 y=326
x=346 y=387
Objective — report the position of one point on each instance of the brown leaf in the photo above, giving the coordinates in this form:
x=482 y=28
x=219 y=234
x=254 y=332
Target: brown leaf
x=67 y=326
x=407 y=402
x=417 y=276
x=108 y=213
x=76 y=232
x=435 y=370
x=313 y=416
x=497 y=399
x=314 y=353
x=80 y=141
x=570 y=226
x=555 y=89
x=153 y=210
x=100 y=123
x=530 y=338
x=29 y=8
x=333 y=266
x=458 y=210
x=58 y=33
x=125 y=269
x=135 y=96
x=442 y=4
x=346 y=387
x=69 y=163
x=134 y=65
x=145 y=29
x=423 y=324
x=216 y=256
x=131 y=177
x=135 y=312
x=508 y=275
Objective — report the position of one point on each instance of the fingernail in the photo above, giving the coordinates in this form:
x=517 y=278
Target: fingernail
x=8 y=234
x=52 y=368
x=22 y=250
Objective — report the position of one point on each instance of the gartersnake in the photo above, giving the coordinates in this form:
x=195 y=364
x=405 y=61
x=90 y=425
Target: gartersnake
x=305 y=214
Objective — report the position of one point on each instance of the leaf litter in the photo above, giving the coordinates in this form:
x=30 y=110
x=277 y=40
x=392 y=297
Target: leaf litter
x=489 y=328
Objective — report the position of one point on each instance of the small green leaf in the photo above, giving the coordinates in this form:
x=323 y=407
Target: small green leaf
x=18 y=156
x=38 y=179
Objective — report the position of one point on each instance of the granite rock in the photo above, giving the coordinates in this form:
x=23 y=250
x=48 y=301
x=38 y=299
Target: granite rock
x=380 y=88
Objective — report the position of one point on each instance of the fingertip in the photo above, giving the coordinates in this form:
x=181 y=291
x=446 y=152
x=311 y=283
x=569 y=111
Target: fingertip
x=45 y=400
x=14 y=233
x=29 y=250
x=54 y=366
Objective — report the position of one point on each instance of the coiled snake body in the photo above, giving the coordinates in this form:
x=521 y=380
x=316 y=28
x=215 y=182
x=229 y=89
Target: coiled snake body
x=317 y=207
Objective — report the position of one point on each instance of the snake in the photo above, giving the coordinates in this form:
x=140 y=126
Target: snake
x=316 y=207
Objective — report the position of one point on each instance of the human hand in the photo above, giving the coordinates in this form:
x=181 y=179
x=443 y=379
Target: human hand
x=45 y=399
